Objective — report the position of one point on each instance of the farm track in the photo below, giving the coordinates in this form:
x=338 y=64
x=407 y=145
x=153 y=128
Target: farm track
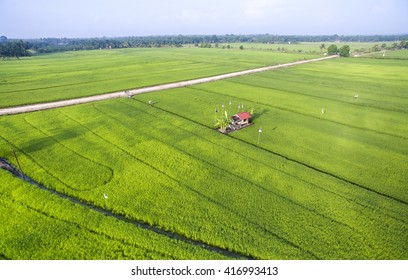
x=83 y=100
x=137 y=223
x=90 y=82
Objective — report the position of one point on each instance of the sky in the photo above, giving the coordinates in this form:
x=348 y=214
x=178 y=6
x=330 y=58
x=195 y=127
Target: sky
x=115 y=18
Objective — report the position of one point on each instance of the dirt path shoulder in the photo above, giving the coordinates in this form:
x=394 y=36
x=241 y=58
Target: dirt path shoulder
x=82 y=100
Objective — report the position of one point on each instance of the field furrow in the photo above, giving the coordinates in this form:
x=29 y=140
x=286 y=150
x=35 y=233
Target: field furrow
x=88 y=223
x=151 y=177
x=78 y=74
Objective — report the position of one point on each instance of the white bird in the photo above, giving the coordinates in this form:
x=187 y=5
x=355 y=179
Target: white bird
x=323 y=111
x=105 y=196
x=356 y=96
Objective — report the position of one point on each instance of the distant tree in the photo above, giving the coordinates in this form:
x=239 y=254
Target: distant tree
x=332 y=49
x=344 y=51
x=376 y=48
x=241 y=47
x=403 y=44
x=205 y=45
x=214 y=39
x=49 y=45
x=322 y=47
x=14 y=49
x=384 y=46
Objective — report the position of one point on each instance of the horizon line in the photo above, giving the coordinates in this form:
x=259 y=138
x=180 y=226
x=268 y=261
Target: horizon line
x=191 y=35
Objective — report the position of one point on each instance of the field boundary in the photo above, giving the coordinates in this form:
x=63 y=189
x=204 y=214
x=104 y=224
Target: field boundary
x=130 y=93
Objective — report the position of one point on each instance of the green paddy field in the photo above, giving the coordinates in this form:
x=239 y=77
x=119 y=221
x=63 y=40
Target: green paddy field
x=84 y=73
x=122 y=179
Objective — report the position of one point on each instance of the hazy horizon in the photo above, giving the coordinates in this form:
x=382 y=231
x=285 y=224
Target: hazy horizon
x=125 y=18
x=234 y=34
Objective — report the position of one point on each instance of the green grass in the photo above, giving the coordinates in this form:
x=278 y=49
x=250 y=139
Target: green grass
x=84 y=73
x=316 y=187
x=350 y=134
x=40 y=225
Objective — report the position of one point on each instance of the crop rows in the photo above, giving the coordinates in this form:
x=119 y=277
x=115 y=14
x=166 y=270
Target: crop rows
x=341 y=142
x=168 y=182
x=315 y=187
x=49 y=227
x=77 y=74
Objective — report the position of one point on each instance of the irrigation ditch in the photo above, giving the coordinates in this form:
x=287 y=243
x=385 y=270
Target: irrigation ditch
x=9 y=167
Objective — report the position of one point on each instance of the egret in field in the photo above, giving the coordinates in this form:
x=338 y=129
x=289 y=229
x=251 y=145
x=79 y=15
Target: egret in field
x=106 y=199
x=323 y=111
x=259 y=134
x=356 y=97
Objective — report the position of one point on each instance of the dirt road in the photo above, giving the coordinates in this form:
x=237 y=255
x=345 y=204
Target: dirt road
x=70 y=102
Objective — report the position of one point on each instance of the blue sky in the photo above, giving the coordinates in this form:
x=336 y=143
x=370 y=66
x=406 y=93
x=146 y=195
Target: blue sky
x=113 y=18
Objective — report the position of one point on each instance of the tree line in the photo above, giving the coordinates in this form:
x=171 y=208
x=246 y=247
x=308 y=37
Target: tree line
x=19 y=48
x=14 y=49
